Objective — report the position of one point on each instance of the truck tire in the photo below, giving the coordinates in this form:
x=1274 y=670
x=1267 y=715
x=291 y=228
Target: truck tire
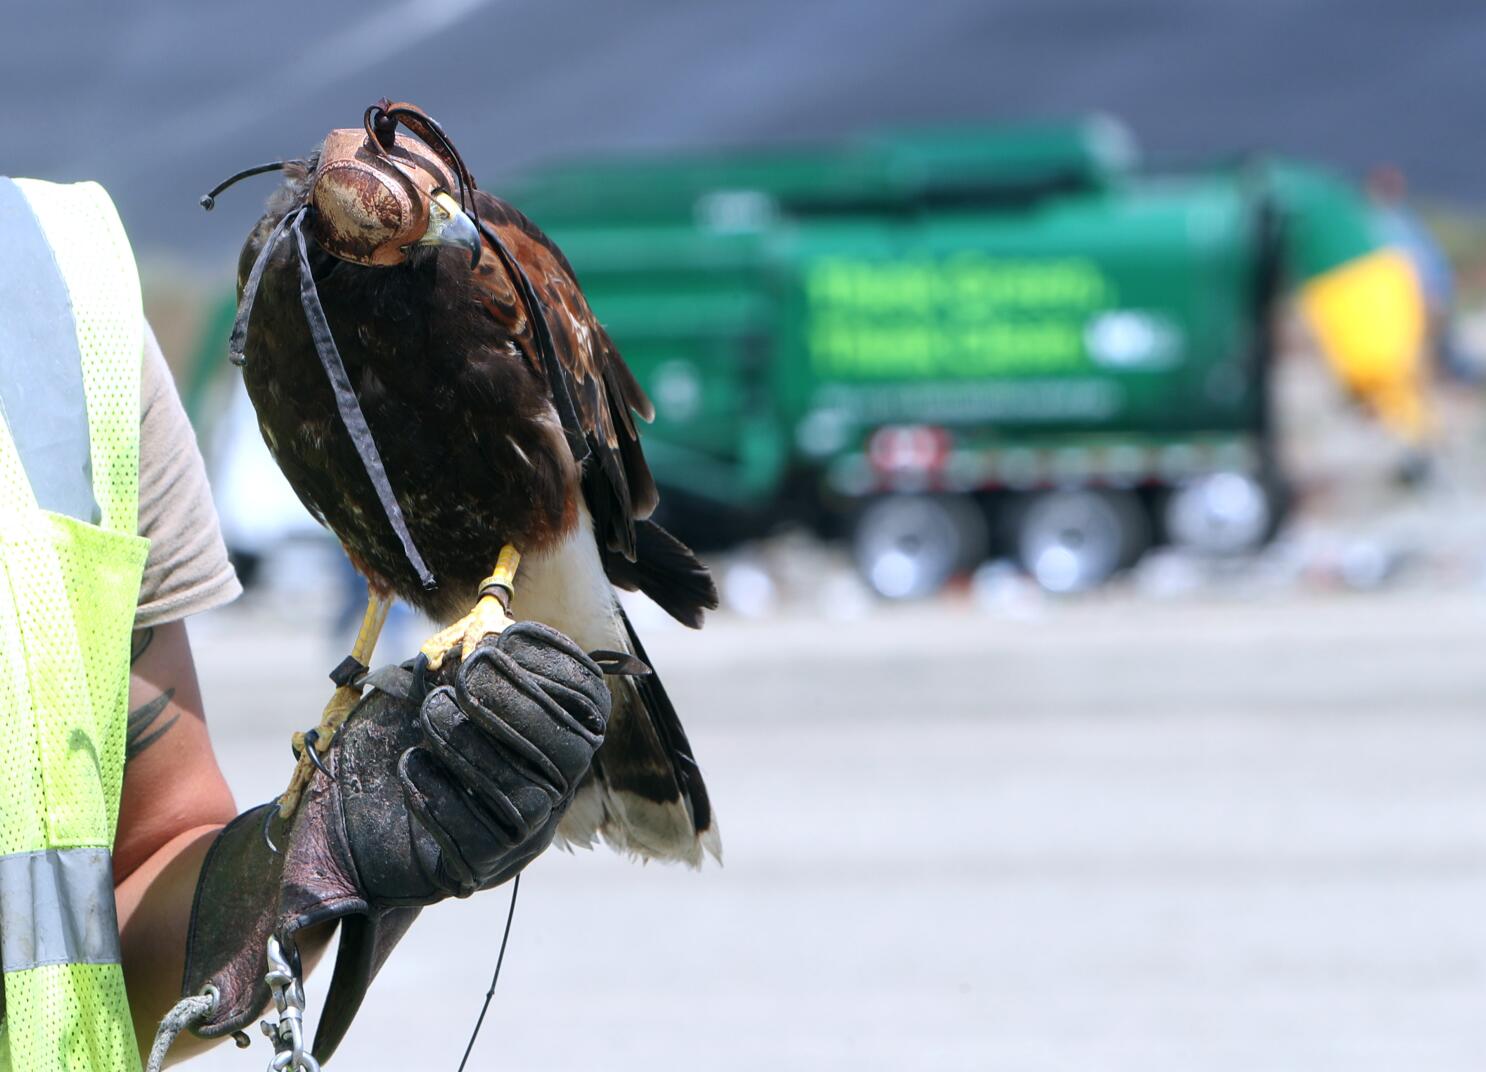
x=1073 y=540
x=1221 y=514
x=909 y=546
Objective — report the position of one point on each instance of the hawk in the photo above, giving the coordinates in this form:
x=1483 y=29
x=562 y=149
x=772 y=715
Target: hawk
x=431 y=380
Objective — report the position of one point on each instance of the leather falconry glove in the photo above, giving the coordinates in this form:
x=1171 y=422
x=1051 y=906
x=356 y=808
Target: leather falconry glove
x=424 y=802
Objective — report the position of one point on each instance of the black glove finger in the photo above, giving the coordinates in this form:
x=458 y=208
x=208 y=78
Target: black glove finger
x=455 y=873
x=565 y=669
x=518 y=710
x=474 y=844
x=495 y=695
x=560 y=669
x=478 y=760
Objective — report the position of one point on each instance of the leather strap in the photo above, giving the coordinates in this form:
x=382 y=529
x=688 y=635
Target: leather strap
x=350 y=408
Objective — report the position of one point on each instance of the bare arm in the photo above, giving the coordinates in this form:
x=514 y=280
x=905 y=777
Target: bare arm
x=174 y=802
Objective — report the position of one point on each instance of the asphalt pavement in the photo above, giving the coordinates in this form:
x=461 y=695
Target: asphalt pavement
x=1115 y=834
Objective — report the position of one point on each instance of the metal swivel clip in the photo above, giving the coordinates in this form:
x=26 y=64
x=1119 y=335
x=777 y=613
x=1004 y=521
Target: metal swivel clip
x=287 y=1035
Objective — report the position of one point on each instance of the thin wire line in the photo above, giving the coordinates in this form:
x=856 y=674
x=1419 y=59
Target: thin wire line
x=510 y=915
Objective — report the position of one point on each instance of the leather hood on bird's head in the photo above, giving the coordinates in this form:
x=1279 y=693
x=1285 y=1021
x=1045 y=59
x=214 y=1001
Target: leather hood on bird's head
x=372 y=185
x=370 y=205
x=371 y=189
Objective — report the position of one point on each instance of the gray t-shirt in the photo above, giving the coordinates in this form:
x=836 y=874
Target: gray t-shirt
x=187 y=569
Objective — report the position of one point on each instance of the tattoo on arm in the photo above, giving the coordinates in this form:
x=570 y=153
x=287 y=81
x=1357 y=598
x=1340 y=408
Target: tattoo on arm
x=139 y=642
x=143 y=731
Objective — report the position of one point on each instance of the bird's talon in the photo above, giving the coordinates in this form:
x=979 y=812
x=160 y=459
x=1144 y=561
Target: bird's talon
x=267 y=822
x=620 y=663
x=312 y=740
x=420 y=677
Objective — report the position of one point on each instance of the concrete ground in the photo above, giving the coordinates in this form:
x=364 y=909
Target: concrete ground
x=1119 y=835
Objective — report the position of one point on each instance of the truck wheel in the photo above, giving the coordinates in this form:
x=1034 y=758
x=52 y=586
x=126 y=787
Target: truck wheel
x=1220 y=514
x=908 y=546
x=1073 y=540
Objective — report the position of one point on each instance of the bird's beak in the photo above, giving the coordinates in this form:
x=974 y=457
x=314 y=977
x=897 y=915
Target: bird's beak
x=448 y=225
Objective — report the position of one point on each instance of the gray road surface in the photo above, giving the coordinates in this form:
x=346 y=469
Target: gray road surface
x=1118 y=836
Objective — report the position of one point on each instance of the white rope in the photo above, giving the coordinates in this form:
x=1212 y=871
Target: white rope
x=186 y=1012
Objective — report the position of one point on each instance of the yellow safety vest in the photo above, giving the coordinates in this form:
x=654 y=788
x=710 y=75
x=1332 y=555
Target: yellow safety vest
x=70 y=564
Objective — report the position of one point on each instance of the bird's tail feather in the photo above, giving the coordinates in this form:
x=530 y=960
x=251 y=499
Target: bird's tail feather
x=667 y=571
x=645 y=795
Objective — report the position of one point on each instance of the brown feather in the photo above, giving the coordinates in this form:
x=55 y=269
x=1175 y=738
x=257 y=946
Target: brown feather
x=604 y=391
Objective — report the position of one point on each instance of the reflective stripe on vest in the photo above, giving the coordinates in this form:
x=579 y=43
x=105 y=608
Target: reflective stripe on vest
x=73 y=920
x=70 y=563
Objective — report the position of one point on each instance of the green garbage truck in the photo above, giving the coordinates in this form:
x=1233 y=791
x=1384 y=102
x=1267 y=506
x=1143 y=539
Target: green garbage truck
x=940 y=345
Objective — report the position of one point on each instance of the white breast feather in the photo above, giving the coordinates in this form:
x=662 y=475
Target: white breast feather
x=568 y=590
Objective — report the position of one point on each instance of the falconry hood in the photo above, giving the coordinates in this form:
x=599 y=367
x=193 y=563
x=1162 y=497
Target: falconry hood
x=377 y=193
